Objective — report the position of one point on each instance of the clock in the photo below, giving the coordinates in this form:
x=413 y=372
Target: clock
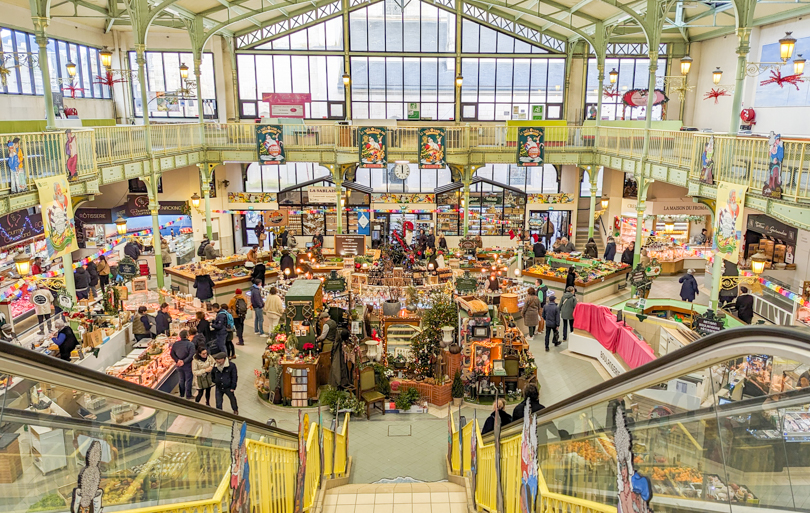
x=402 y=170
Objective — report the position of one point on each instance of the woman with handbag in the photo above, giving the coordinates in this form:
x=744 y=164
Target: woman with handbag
x=201 y=367
x=531 y=311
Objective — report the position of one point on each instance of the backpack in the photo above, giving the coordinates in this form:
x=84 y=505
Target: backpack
x=229 y=325
x=201 y=249
x=241 y=307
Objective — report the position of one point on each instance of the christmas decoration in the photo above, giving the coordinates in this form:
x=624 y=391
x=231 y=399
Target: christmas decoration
x=611 y=92
x=442 y=311
x=715 y=93
x=777 y=78
x=748 y=116
x=73 y=89
x=638 y=97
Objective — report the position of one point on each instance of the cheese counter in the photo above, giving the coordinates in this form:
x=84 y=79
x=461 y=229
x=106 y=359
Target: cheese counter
x=228 y=274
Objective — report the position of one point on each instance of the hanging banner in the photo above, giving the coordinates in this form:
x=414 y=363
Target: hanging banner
x=373 y=146
x=431 y=148
x=707 y=162
x=287 y=105
x=729 y=220
x=57 y=214
x=772 y=188
x=638 y=97
x=363 y=223
x=270 y=143
x=530 y=146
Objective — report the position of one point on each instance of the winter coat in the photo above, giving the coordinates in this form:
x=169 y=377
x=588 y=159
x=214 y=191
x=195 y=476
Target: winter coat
x=220 y=326
x=204 y=327
x=162 y=323
x=226 y=378
x=442 y=242
x=69 y=344
x=205 y=287
x=132 y=250
x=610 y=251
x=199 y=340
x=210 y=253
x=489 y=424
x=531 y=311
x=256 y=299
x=259 y=271
x=198 y=368
x=138 y=327
x=567 y=248
x=570 y=279
x=745 y=308
x=627 y=256
x=689 y=289
x=539 y=250
x=274 y=305
x=519 y=411
x=92 y=270
x=551 y=314
x=42 y=299
x=232 y=303
x=567 y=305
x=591 y=250
x=183 y=350
x=431 y=241
x=81 y=278
x=103 y=268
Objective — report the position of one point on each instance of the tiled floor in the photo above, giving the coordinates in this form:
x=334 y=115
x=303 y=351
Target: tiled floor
x=396 y=498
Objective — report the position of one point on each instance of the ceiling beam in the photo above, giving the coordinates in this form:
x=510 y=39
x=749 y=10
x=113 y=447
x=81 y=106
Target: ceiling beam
x=574 y=8
x=764 y=20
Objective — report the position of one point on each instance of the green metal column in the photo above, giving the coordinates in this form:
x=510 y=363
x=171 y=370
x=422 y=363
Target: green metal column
x=744 y=36
x=140 y=50
x=339 y=209
x=154 y=210
x=40 y=24
x=205 y=173
x=198 y=78
x=643 y=183
x=591 y=220
x=70 y=285
x=601 y=79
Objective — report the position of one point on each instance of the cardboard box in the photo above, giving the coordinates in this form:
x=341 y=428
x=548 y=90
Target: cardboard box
x=92 y=338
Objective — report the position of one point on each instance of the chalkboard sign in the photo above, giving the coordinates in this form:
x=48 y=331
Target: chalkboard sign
x=638 y=277
x=707 y=326
x=467 y=243
x=127 y=267
x=466 y=283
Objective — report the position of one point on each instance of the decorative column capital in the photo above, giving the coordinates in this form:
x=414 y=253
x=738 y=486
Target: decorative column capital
x=40 y=24
x=744 y=38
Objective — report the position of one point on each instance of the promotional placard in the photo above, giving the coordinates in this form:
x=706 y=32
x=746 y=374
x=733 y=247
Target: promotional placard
x=18 y=227
x=270 y=143
x=57 y=213
x=275 y=218
x=531 y=146
x=350 y=245
x=729 y=220
x=431 y=148
x=373 y=146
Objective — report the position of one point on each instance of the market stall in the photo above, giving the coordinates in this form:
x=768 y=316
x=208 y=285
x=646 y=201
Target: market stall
x=228 y=274
x=596 y=279
x=675 y=258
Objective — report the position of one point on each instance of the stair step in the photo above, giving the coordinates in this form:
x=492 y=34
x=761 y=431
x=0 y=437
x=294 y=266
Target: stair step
x=439 y=497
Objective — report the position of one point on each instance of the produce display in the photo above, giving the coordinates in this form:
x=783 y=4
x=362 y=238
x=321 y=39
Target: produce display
x=587 y=449
x=585 y=274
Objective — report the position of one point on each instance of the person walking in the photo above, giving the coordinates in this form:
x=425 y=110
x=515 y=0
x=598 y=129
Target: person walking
x=42 y=299
x=81 y=279
x=551 y=314
x=591 y=251
x=627 y=254
x=203 y=326
x=141 y=327
x=261 y=236
x=182 y=352
x=567 y=305
x=239 y=307
x=103 y=269
x=571 y=277
x=689 y=287
x=231 y=331
x=220 y=327
x=257 y=303
x=542 y=292
x=497 y=409
x=163 y=320
x=225 y=378
x=610 y=250
x=274 y=308
x=745 y=306
x=531 y=311
x=92 y=270
x=201 y=367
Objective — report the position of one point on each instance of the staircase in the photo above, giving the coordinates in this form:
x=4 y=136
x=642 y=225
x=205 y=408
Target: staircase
x=442 y=497
x=581 y=235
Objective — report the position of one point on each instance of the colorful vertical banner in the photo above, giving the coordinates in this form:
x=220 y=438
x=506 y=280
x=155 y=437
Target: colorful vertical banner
x=16 y=166
x=57 y=216
x=270 y=143
x=528 y=460
x=240 y=470
x=373 y=146
x=531 y=146
x=363 y=223
x=729 y=220
x=71 y=154
x=303 y=432
x=474 y=455
x=498 y=483
x=707 y=162
x=772 y=188
x=432 y=148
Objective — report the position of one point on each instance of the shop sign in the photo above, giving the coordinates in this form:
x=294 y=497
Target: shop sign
x=334 y=283
x=530 y=146
x=127 y=267
x=322 y=195
x=270 y=143
x=677 y=207
x=706 y=325
x=94 y=215
x=373 y=148
x=275 y=218
x=350 y=245
x=138 y=206
x=432 y=148
x=287 y=105
x=363 y=223
x=17 y=227
x=537 y=112
x=414 y=111
x=770 y=227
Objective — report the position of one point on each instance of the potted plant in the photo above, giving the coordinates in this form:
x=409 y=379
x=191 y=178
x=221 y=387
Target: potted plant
x=411 y=299
x=392 y=306
x=457 y=390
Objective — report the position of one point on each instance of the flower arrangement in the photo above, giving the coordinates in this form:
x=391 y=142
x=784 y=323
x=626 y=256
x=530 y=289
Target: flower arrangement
x=309 y=346
x=261 y=383
x=276 y=348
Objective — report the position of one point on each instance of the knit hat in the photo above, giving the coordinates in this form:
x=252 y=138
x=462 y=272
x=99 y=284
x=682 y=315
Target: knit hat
x=220 y=356
x=238 y=291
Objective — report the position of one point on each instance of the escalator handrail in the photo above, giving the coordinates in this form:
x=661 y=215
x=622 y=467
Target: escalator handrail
x=61 y=373
x=611 y=388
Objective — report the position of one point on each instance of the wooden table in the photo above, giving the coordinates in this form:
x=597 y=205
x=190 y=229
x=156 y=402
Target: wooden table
x=223 y=289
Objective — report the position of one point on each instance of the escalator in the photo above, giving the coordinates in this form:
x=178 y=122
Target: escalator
x=154 y=450
x=720 y=425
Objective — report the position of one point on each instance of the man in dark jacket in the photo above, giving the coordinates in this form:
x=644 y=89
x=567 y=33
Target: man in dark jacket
x=182 y=352
x=689 y=287
x=539 y=249
x=610 y=250
x=220 y=327
x=132 y=250
x=286 y=262
x=531 y=394
x=163 y=320
x=225 y=378
x=283 y=237
x=745 y=306
x=431 y=241
x=489 y=424
x=92 y=270
x=542 y=291
x=257 y=303
x=259 y=271
x=551 y=314
x=81 y=279
x=627 y=254
x=205 y=287
x=65 y=339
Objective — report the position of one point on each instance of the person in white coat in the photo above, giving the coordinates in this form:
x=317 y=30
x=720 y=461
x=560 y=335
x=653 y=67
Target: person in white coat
x=42 y=299
x=273 y=308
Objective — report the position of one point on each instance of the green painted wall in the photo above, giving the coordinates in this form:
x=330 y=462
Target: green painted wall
x=38 y=125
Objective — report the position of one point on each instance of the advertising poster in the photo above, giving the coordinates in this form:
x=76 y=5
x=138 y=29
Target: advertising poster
x=431 y=148
x=275 y=218
x=57 y=215
x=528 y=461
x=270 y=143
x=71 y=154
x=772 y=188
x=729 y=220
x=240 y=470
x=373 y=146
x=16 y=166
x=530 y=146
x=707 y=162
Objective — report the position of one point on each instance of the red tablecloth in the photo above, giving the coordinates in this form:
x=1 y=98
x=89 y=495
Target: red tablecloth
x=616 y=338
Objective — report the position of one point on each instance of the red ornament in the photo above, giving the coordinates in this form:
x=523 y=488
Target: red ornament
x=511 y=234
x=715 y=93
x=108 y=79
x=777 y=78
x=748 y=116
x=73 y=90
x=611 y=92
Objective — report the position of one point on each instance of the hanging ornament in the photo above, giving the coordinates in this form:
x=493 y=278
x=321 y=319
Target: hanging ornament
x=611 y=92
x=748 y=116
x=777 y=78
x=73 y=89
x=716 y=93
x=638 y=97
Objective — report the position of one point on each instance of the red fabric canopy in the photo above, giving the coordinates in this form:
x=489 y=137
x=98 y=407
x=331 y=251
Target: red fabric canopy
x=616 y=338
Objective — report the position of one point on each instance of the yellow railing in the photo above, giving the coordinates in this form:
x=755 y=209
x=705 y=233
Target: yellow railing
x=549 y=502
x=219 y=503
x=312 y=476
x=272 y=477
x=339 y=444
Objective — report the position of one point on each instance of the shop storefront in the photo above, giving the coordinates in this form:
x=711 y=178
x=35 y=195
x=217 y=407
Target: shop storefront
x=495 y=208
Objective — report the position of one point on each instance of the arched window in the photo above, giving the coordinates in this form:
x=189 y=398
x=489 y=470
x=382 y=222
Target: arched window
x=585 y=186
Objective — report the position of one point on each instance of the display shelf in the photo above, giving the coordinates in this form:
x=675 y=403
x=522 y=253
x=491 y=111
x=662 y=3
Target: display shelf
x=447 y=223
x=48 y=448
x=398 y=334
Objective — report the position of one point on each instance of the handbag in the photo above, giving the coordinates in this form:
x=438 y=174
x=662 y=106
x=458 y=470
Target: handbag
x=204 y=381
x=541 y=326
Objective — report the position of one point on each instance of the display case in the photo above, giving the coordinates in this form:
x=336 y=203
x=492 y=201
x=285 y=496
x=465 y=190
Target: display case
x=183 y=248
x=398 y=333
x=447 y=219
x=775 y=307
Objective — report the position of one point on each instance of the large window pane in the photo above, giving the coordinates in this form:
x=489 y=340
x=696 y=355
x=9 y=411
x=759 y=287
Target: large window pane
x=430 y=21
x=411 y=80
x=283 y=73
x=358 y=31
x=412 y=41
x=393 y=27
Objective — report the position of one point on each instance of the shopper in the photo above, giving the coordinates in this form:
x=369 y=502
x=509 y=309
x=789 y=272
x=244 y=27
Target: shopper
x=542 y=292
x=703 y=238
x=317 y=239
x=203 y=326
x=251 y=256
x=442 y=242
x=531 y=311
x=81 y=279
x=103 y=269
x=551 y=314
x=532 y=394
x=367 y=316
x=141 y=327
x=328 y=334
x=205 y=287
x=431 y=241
x=610 y=250
x=36 y=267
x=231 y=330
x=567 y=305
x=220 y=327
x=339 y=370
x=745 y=306
x=591 y=251
x=260 y=232
x=182 y=352
x=258 y=273
x=497 y=409
x=42 y=299
x=133 y=250
x=571 y=277
x=239 y=308
x=539 y=249
x=65 y=339
x=566 y=246
x=225 y=378
x=689 y=287
x=257 y=303
x=198 y=339
x=163 y=320
x=201 y=248
x=92 y=271
x=627 y=254
x=201 y=367
x=274 y=308
x=211 y=252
